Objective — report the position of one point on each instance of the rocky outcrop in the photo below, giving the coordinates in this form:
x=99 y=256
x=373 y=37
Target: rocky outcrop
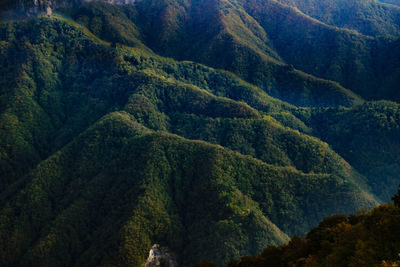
x=31 y=7
x=161 y=257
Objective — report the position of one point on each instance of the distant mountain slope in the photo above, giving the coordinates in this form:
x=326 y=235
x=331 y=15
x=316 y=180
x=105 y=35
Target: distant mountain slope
x=86 y=158
x=48 y=96
x=256 y=40
x=361 y=134
x=369 y=17
x=232 y=40
x=107 y=148
x=261 y=40
x=356 y=61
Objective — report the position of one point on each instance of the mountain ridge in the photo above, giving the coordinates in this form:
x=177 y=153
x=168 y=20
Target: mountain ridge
x=108 y=147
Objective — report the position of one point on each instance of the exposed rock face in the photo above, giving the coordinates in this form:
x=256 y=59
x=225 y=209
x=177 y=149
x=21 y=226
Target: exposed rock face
x=32 y=7
x=161 y=257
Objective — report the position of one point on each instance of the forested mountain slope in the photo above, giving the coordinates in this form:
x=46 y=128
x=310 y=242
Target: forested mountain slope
x=367 y=239
x=107 y=148
x=366 y=65
x=230 y=40
x=361 y=134
x=368 y=17
x=134 y=188
x=256 y=40
x=261 y=40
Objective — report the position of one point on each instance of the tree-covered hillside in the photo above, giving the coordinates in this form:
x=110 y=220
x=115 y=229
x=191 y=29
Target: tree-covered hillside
x=366 y=136
x=108 y=147
x=261 y=41
x=229 y=39
x=368 y=17
x=363 y=239
x=364 y=64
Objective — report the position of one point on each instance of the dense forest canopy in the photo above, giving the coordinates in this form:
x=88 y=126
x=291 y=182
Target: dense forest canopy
x=215 y=128
x=363 y=239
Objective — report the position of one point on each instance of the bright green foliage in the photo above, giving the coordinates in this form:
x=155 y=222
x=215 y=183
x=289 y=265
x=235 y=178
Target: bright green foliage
x=111 y=23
